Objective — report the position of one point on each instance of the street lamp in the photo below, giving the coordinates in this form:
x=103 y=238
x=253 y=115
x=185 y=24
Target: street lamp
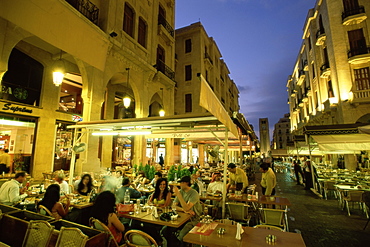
x=58 y=71
x=127 y=99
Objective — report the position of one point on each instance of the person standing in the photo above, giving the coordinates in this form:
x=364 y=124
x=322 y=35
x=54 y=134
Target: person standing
x=11 y=192
x=297 y=169
x=268 y=181
x=308 y=168
x=237 y=177
x=161 y=160
x=5 y=161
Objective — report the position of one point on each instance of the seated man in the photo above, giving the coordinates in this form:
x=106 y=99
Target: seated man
x=134 y=194
x=59 y=178
x=11 y=192
x=157 y=176
x=217 y=186
x=187 y=200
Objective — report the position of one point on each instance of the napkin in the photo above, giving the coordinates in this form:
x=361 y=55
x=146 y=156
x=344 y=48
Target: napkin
x=239 y=231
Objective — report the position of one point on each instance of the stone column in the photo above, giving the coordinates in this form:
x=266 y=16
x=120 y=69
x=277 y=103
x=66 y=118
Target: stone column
x=169 y=159
x=201 y=154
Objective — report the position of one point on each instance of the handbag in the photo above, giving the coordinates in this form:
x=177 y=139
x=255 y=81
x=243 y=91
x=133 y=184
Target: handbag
x=125 y=208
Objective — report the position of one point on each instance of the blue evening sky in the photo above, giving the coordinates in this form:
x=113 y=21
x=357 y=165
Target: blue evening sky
x=259 y=41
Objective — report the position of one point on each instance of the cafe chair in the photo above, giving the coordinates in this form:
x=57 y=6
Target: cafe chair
x=273 y=217
x=353 y=197
x=98 y=225
x=329 y=186
x=136 y=238
x=239 y=211
x=44 y=211
x=38 y=234
x=275 y=228
x=70 y=237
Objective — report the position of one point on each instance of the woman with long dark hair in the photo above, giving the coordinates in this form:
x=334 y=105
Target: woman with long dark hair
x=51 y=202
x=103 y=210
x=161 y=196
x=85 y=186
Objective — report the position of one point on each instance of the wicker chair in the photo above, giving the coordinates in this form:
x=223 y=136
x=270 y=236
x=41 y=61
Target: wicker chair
x=353 y=196
x=274 y=217
x=71 y=237
x=136 y=238
x=44 y=211
x=269 y=227
x=329 y=186
x=97 y=224
x=239 y=211
x=38 y=234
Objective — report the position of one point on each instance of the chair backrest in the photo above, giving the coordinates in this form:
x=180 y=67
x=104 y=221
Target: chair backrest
x=329 y=185
x=44 y=211
x=97 y=224
x=273 y=217
x=136 y=238
x=238 y=211
x=38 y=234
x=70 y=237
x=366 y=198
x=275 y=228
x=355 y=196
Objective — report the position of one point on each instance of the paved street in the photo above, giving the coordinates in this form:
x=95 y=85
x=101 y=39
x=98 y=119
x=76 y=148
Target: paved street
x=321 y=222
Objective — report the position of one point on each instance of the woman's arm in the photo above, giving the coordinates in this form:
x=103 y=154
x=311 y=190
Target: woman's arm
x=113 y=219
x=150 y=202
x=62 y=211
x=168 y=200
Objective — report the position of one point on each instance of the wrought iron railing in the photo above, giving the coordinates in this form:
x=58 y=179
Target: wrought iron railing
x=207 y=56
x=87 y=8
x=167 y=71
x=162 y=21
x=359 y=51
x=349 y=12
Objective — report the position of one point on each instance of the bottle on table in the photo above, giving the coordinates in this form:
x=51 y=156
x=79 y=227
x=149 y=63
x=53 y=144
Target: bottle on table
x=126 y=197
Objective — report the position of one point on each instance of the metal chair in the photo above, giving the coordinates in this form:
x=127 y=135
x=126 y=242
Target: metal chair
x=366 y=200
x=70 y=237
x=275 y=228
x=353 y=196
x=38 y=234
x=227 y=222
x=239 y=211
x=44 y=211
x=329 y=186
x=273 y=217
x=97 y=224
x=136 y=238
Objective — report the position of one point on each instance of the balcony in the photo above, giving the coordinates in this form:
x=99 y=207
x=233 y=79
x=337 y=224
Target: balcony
x=308 y=91
x=167 y=71
x=325 y=70
x=88 y=9
x=304 y=97
x=359 y=55
x=320 y=37
x=208 y=58
x=361 y=96
x=163 y=22
x=353 y=16
x=301 y=77
x=305 y=65
x=293 y=93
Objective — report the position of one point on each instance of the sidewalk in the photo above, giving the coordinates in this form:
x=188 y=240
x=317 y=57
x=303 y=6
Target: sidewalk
x=321 y=222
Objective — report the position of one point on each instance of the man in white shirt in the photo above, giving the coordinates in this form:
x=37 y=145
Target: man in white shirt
x=11 y=192
x=217 y=186
x=59 y=178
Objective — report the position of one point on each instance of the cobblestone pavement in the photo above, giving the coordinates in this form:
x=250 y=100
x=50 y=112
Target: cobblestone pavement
x=321 y=222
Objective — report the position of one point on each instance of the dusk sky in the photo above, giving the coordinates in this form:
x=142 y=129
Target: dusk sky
x=259 y=41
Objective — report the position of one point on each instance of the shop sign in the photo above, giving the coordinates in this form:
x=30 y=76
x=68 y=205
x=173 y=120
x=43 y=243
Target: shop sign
x=180 y=135
x=76 y=118
x=9 y=107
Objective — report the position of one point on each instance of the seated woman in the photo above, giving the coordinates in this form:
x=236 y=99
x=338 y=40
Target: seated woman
x=51 y=202
x=140 y=180
x=161 y=196
x=103 y=210
x=85 y=186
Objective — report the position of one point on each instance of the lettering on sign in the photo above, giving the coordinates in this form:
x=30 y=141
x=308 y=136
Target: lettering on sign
x=180 y=135
x=9 y=107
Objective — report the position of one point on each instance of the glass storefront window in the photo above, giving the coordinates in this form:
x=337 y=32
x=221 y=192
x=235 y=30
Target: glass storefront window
x=70 y=96
x=63 y=146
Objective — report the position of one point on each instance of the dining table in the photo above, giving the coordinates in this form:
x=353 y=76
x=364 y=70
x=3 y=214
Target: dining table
x=250 y=237
x=149 y=218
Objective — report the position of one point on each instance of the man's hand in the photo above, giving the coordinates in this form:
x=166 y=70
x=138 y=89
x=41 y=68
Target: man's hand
x=21 y=191
x=176 y=190
x=191 y=212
